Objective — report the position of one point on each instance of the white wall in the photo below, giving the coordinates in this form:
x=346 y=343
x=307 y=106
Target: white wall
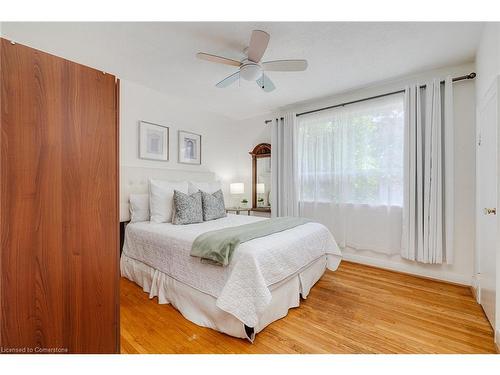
x=462 y=270
x=487 y=58
x=225 y=144
x=488 y=68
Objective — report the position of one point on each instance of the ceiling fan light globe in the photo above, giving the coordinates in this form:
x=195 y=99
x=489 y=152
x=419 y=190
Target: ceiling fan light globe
x=250 y=72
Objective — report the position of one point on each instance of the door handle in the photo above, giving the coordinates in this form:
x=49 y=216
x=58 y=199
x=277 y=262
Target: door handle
x=490 y=211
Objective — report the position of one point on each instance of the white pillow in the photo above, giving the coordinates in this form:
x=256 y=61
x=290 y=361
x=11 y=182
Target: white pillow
x=207 y=187
x=139 y=207
x=161 y=199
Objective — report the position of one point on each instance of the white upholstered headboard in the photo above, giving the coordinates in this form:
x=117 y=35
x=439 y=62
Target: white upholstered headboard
x=136 y=180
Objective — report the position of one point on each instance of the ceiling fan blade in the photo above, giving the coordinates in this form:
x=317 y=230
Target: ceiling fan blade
x=217 y=59
x=265 y=83
x=285 y=65
x=229 y=80
x=258 y=44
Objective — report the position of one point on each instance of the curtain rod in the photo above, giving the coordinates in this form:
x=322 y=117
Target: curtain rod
x=456 y=79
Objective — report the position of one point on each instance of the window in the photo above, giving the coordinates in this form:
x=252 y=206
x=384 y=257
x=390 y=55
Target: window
x=353 y=154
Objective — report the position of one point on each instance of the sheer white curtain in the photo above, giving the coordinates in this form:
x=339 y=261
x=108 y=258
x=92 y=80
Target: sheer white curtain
x=428 y=204
x=284 y=166
x=350 y=172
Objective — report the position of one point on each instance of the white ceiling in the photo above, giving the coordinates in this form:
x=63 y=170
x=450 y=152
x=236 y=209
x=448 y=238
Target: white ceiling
x=341 y=55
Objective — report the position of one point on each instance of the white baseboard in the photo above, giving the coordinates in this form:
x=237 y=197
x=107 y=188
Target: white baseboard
x=400 y=267
x=497 y=341
x=475 y=288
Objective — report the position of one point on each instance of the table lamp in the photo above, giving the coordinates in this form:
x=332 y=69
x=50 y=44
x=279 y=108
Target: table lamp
x=237 y=188
x=261 y=189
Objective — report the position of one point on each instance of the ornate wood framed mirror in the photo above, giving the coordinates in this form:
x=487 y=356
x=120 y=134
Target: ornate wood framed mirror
x=261 y=177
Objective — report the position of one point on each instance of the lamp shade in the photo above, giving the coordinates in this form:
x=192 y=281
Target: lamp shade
x=261 y=188
x=237 y=188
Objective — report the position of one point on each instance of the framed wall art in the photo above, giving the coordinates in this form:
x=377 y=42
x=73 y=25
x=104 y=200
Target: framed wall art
x=153 y=141
x=189 y=148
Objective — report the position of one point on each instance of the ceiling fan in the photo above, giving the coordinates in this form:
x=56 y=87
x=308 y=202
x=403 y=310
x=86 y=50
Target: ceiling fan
x=250 y=67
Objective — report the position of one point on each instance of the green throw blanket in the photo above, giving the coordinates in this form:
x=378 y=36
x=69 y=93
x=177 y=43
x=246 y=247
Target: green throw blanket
x=218 y=245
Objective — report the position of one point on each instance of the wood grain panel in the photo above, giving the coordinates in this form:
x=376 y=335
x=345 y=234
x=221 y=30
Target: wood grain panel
x=357 y=309
x=90 y=176
x=59 y=260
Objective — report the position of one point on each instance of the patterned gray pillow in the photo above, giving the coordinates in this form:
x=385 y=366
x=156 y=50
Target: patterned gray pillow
x=188 y=208
x=213 y=205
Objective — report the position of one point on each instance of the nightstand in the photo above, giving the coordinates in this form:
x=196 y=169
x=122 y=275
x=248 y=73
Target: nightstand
x=237 y=210
x=261 y=211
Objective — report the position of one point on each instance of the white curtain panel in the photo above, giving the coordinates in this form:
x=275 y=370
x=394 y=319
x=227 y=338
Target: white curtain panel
x=284 y=167
x=350 y=172
x=428 y=199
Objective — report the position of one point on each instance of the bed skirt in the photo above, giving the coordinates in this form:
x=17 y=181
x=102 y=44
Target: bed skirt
x=200 y=308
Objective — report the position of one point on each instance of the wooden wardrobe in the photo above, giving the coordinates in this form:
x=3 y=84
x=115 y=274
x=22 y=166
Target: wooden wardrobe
x=59 y=260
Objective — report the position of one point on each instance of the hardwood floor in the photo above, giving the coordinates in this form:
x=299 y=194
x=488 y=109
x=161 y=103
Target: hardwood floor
x=357 y=309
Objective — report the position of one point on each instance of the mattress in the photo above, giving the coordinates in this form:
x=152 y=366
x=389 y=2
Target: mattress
x=243 y=288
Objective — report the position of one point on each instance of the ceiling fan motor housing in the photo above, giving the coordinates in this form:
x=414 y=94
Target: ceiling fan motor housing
x=250 y=71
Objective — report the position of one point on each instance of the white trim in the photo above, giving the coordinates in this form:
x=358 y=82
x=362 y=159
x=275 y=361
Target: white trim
x=396 y=266
x=476 y=279
x=497 y=266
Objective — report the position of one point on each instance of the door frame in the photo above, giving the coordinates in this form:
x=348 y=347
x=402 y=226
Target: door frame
x=496 y=84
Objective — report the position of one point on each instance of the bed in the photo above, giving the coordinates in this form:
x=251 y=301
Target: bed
x=266 y=277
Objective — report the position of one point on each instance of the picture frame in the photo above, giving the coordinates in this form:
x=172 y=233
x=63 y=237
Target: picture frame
x=189 y=148
x=153 y=141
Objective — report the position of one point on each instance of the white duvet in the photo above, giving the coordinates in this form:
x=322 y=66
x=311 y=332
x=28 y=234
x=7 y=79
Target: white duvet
x=243 y=287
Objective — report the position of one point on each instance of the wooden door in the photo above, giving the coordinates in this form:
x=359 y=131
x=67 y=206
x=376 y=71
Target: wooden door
x=59 y=272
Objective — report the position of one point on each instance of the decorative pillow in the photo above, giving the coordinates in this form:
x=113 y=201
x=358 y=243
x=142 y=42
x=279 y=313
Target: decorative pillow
x=213 y=205
x=161 y=199
x=209 y=187
x=188 y=208
x=139 y=207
